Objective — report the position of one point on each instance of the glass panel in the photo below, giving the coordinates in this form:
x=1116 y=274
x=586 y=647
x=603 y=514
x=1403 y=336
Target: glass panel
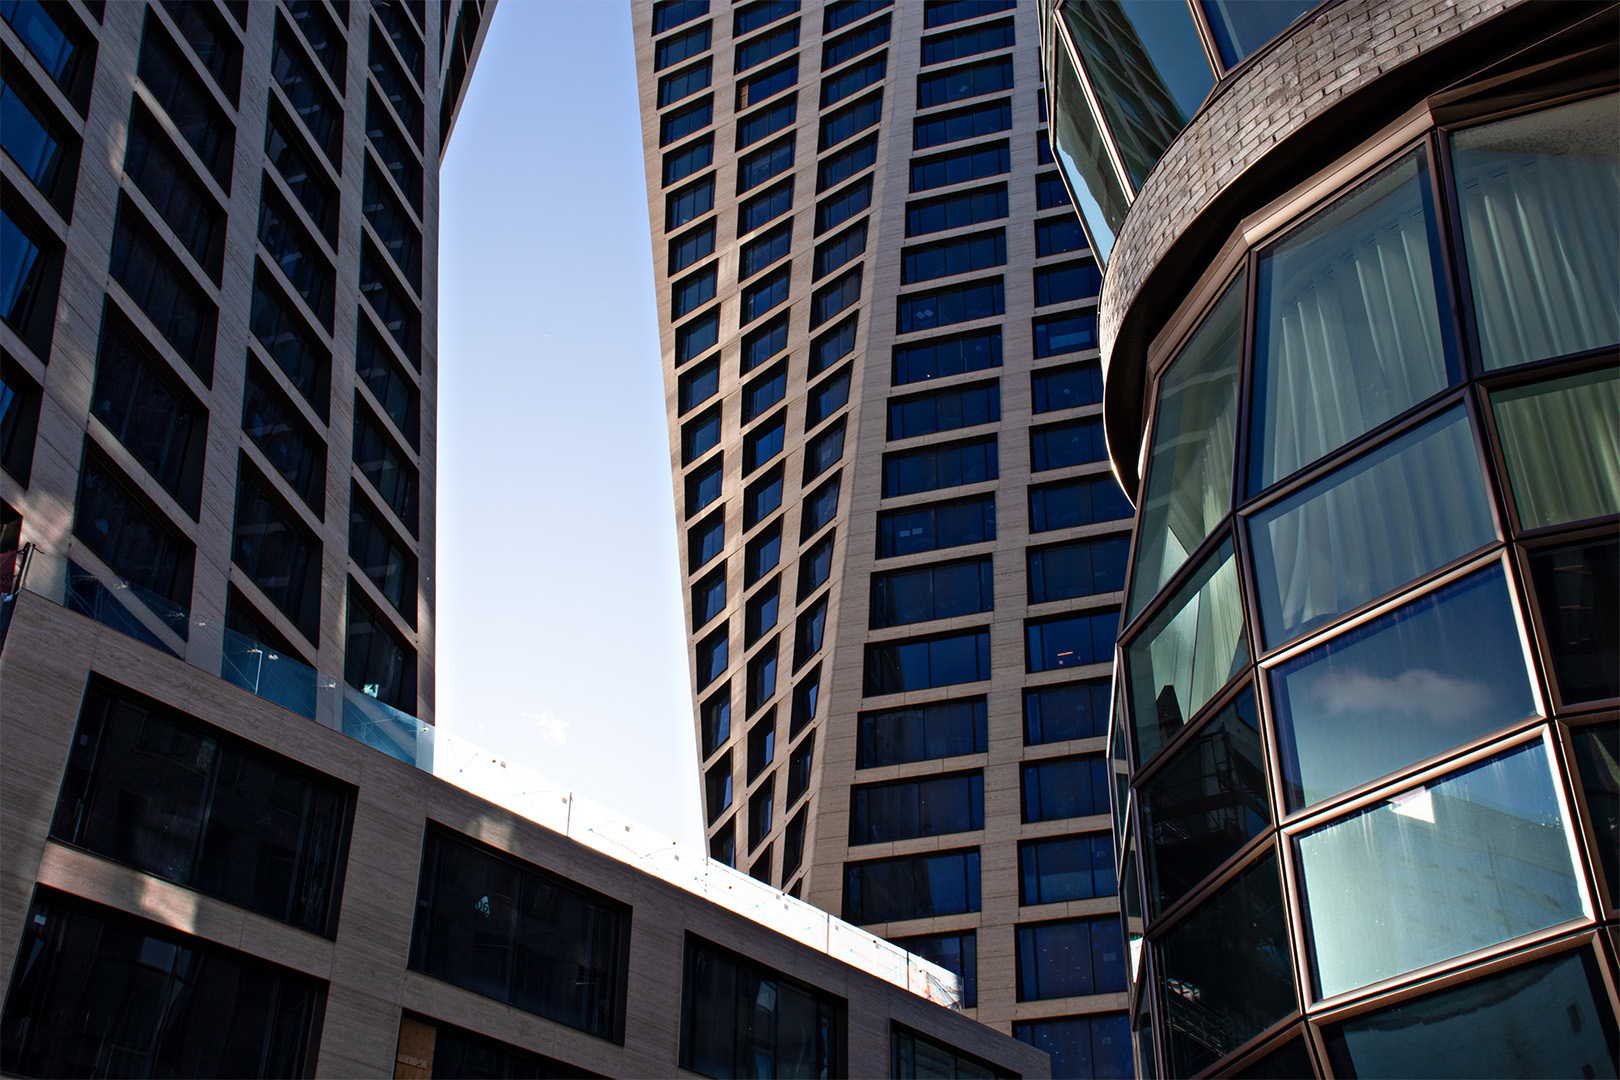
x=1225 y=970
x=1096 y=1046
x=1444 y=669
x=1188 y=652
x=1410 y=506
x=1241 y=27
x=1540 y=202
x=1578 y=593
x=1207 y=801
x=1078 y=141
x=1189 y=472
x=1466 y=861
x=1545 y=1019
x=1561 y=440
x=1348 y=332
x=1597 y=753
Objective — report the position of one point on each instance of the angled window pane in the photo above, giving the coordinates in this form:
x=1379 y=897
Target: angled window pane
x=1561 y=440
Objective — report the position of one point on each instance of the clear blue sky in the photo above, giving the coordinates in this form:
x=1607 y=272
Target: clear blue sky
x=560 y=638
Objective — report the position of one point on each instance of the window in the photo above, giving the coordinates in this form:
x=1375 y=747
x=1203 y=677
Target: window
x=669 y=14
x=836 y=168
x=395 y=85
x=1043 y=149
x=1066 y=283
x=793 y=847
x=837 y=209
x=1066 y=868
x=766 y=293
x=688 y=204
x=843 y=49
x=683 y=84
x=1069 y=640
x=757 y=88
x=688 y=158
x=151 y=788
x=457 y=1052
x=929 y=468
x=757 y=50
x=215 y=44
x=762 y=554
x=149 y=410
x=960 y=166
x=509 y=930
x=799 y=764
x=954 y=355
x=688 y=248
x=705 y=540
x=764 y=342
x=832 y=299
x=1073 y=442
x=824 y=451
x=709 y=597
x=700 y=435
x=1073 y=958
x=385 y=465
x=697 y=336
x=740 y=1018
x=764 y=442
x=819 y=509
x=761 y=805
x=1050 y=192
x=831 y=346
x=715 y=719
x=1054 y=236
x=850 y=120
x=961 y=44
x=377 y=661
x=180 y=199
x=807 y=640
x=815 y=565
x=907 y=809
x=19 y=422
x=763 y=392
x=37 y=139
x=1077 y=502
x=272 y=545
x=703 y=485
x=763 y=164
x=679 y=123
x=942 y=12
x=134 y=539
x=969 y=80
x=1065 y=787
x=762 y=498
x=309 y=96
x=805 y=696
x=834 y=253
x=767 y=121
x=768 y=204
x=911 y=887
x=1061 y=711
x=853 y=80
x=762 y=676
x=944 y=410
x=913 y=1055
x=292 y=249
x=397 y=157
x=289 y=342
x=950 y=257
x=921 y=733
x=189 y=1006
x=1081 y=1045
x=826 y=398
x=723 y=845
x=1066 y=387
x=761 y=745
x=1079 y=568
x=399 y=234
x=324 y=37
x=959 y=954
x=893 y=667
x=840 y=13
x=385 y=559
x=935 y=526
x=395 y=308
x=954 y=211
x=687 y=295
x=948 y=306
x=937 y=129
x=167 y=293
x=387 y=380
x=169 y=76
x=940 y=591
x=60 y=44
x=713 y=654
x=672 y=50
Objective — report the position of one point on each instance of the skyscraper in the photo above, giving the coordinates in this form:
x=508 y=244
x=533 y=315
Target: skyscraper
x=903 y=550
x=1359 y=321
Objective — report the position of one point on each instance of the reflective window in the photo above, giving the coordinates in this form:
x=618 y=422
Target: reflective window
x=687 y=159
x=313 y=101
x=840 y=13
x=715 y=721
x=1066 y=387
x=834 y=253
x=395 y=308
x=394 y=390
x=944 y=410
x=396 y=85
x=956 y=953
x=912 y=1056
x=717 y=789
x=1054 y=236
x=1082 y=151
x=832 y=299
x=918 y=663
x=970 y=41
x=763 y=442
x=1062 y=711
x=1349 y=332
x=669 y=14
x=723 y=844
x=853 y=80
x=834 y=169
x=969 y=122
x=850 y=120
x=836 y=209
x=130 y=536
x=672 y=50
x=699 y=385
x=289 y=341
x=709 y=597
x=1188 y=486
x=34 y=137
x=1597 y=753
x=166 y=292
x=386 y=467
x=954 y=211
x=688 y=204
x=826 y=398
x=399 y=235
x=763 y=392
x=1079 y=568
x=930 y=468
x=149 y=410
x=762 y=676
x=765 y=294
x=1240 y=29
x=57 y=41
x=376 y=660
x=907 y=809
x=1575 y=587
x=757 y=50
x=1067 y=333
x=768 y=204
x=762 y=554
x=921 y=733
x=740 y=1018
x=959 y=166
x=457 y=1052
x=1460 y=863
x=760 y=613
x=1098 y=1046
x=681 y=84
x=807 y=638
x=944 y=307
x=799 y=765
x=273 y=546
x=806 y=695
x=1083 y=501
x=510 y=930
x=295 y=252
x=936 y=526
x=824 y=451
x=157 y=168
x=761 y=804
x=764 y=341
x=1066 y=283
x=819 y=509
x=1561 y=442
x=188 y=102
x=911 y=887
x=965 y=81
x=973 y=351
x=1190 y=649
x=943 y=12
x=967 y=254
x=679 y=123
x=1074 y=958
x=1066 y=868
x=705 y=540
x=1072 y=442
x=1069 y=640
x=1204 y=804
x=712 y=657
x=842 y=49
x=793 y=845
x=759 y=87
x=763 y=164
x=697 y=336
x=1050 y=192
x=1066 y=787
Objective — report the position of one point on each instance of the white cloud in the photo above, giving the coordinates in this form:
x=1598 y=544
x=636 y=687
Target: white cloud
x=552 y=729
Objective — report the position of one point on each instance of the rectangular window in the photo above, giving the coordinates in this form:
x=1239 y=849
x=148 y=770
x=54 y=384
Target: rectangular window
x=20 y=397
x=1062 y=711
x=943 y=12
x=764 y=442
x=969 y=80
x=815 y=565
x=824 y=451
x=765 y=294
x=831 y=300
x=395 y=85
x=805 y=696
x=157 y=790
x=1054 y=236
x=325 y=39
x=819 y=509
x=938 y=525
x=843 y=49
x=893 y=667
x=509 y=930
x=761 y=498
x=691 y=293
x=174 y=85
x=679 y=123
x=397 y=156
x=179 y=197
x=850 y=120
x=834 y=210
x=759 y=616
x=971 y=41
x=834 y=253
x=765 y=249
x=958 y=954
x=974 y=351
x=1078 y=568
x=668 y=14
x=740 y=1018
x=756 y=51
x=149 y=411
x=309 y=183
x=1073 y=442
x=683 y=84
x=1066 y=387
x=944 y=410
x=688 y=248
x=1077 y=502
x=831 y=346
x=700 y=435
x=940 y=591
x=100 y=980
x=688 y=158
x=809 y=633
x=1066 y=283
x=457 y=1052
x=955 y=211
x=1081 y=1045
x=130 y=536
x=908 y=809
x=703 y=485
x=764 y=392
x=59 y=42
x=276 y=551
x=385 y=559
x=929 y=468
x=960 y=166
x=399 y=234
x=767 y=205
x=799 y=766
x=764 y=342
x=911 y=887
x=709 y=597
x=215 y=45
x=970 y=122
x=1050 y=192
x=387 y=380
x=688 y=204
x=167 y=293
x=1065 y=868
x=767 y=121
x=715 y=713
x=1043 y=149
x=766 y=84
x=294 y=251
x=1065 y=641
x=763 y=164
x=37 y=139
x=309 y=95
x=385 y=465
x=762 y=554
x=1066 y=787
x=698 y=336
x=837 y=168
x=672 y=50
x=1073 y=958
x=395 y=308
x=826 y=398
x=840 y=13
x=761 y=805
x=291 y=344
x=717 y=788
x=948 y=306
x=921 y=733
x=836 y=88
x=705 y=540
x=762 y=676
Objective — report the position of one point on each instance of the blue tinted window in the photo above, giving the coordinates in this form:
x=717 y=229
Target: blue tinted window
x=1075 y=958
x=669 y=14
x=753 y=16
x=942 y=12
x=763 y=164
x=850 y=120
x=766 y=47
x=912 y=887
x=944 y=259
x=830 y=300
x=820 y=508
x=969 y=122
x=1081 y=1045
x=945 y=307
x=1062 y=284
x=1240 y=29
x=709 y=597
x=841 y=13
x=955 y=211
x=683 y=162
x=957 y=953
x=846 y=163
x=759 y=615
x=764 y=392
x=853 y=80
x=688 y=203
x=759 y=298
x=765 y=249
x=1065 y=641
x=944 y=410
x=969 y=80
x=672 y=88
x=1066 y=868
x=1065 y=787
x=764 y=342
x=1073 y=442
x=834 y=210
x=689 y=248
x=816 y=564
x=826 y=398
x=824 y=451
x=930 y=468
x=918 y=594
x=1054 y=236
x=918 y=663
x=907 y=809
x=683 y=121
x=705 y=540
x=763 y=443
x=971 y=41
x=839 y=250
x=762 y=676
x=703 y=486
x=1077 y=502
x=699 y=436
x=696 y=337
x=768 y=204
x=688 y=295
x=854 y=43
x=762 y=554
x=935 y=526
x=1058 y=334
x=1050 y=192
x=1062 y=711
x=712 y=654
x=960 y=166
x=833 y=345
x=759 y=87
x=974 y=351
x=715 y=716
x=1066 y=387
x=1079 y=568
x=762 y=496
x=922 y=733
x=1043 y=149
x=673 y=50
x=761 y=744
x=808 y=634
x=805 y=696
x=767 y=121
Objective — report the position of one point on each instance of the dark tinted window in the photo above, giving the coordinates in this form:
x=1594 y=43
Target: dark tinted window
x=740 y=1018
x=1077 y=502
x=1065 y=787
x=930 y=468
x=1074 y=442
x=918 y=663
x=149 y=410
x=961 y=256
x=130 y=536
x=955 y=211
x=1079 y=568
x=941 y=591
x=907 y=809
x=1064 y=641
x=912 y=887
x=672 y=50
x=272 y=545
x=953 y=355
x=944 y=410
x=1077 y=710
x=935 y=526
x=936 y=129
x=1066 y=868
x=921 y=733
x=968 y=80
x=836 y=209
x=1074 y=958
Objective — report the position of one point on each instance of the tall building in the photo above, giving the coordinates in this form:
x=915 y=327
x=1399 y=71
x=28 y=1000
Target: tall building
x=903 y=550
x=1360 y=320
